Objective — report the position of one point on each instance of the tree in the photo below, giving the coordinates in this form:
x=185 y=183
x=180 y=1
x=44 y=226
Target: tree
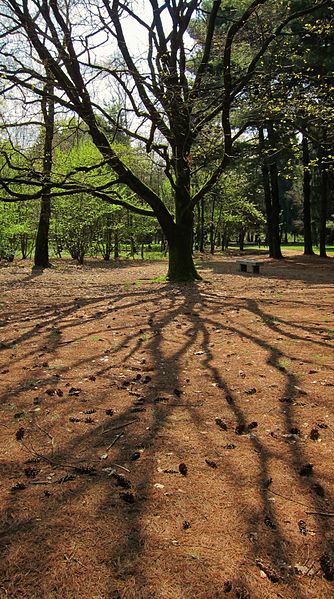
x=170 y=105
x=42 y=238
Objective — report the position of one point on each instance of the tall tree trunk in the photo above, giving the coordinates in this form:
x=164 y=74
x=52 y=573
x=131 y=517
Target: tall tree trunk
x=323 y=199
x=180 y=248
x=275 y=204
x=107 y=238
x=212 y=227
x=180 y=258
x=116 y=245
x=180 y=234
x=41 y=259
x=201 y=245
x=308 y=246
x=267 y=192
x=242 y=240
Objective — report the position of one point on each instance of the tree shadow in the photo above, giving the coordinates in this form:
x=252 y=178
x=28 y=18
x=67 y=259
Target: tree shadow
x=319 y=271
x=131 y=530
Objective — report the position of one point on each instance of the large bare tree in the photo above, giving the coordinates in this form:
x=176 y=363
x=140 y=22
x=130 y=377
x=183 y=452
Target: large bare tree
x=171 y=98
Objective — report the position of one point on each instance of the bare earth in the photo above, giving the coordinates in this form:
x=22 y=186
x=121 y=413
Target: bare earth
x=167 y=442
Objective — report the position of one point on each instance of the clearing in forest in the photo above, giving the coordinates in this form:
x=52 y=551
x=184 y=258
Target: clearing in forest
x=167 y=442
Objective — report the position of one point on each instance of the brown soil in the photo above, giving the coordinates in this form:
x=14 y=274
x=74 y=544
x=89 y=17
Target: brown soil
x=167 y=442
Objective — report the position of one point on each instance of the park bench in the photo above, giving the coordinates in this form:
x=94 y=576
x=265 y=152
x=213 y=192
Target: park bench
x=254 y=266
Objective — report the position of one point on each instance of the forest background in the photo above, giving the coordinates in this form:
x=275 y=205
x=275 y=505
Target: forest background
x=179 y=126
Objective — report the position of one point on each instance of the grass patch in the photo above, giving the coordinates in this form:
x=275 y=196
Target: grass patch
x=160 y=279
x=285 y=363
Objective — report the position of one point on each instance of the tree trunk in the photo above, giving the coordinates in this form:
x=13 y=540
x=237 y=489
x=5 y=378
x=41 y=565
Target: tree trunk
x=212 y=227
x=275 y=204
x=201 y=245
x=108 y=238
x=223 y=239
x=133 y=249
x=267 y=193
x=24 y=245
x=308 y=246
x=42 y=240
x=116 y=246
x=180 y=233
x=180 y=248
x=180 y=257
x=242 y=240
x=323 y=202
x=41 y=259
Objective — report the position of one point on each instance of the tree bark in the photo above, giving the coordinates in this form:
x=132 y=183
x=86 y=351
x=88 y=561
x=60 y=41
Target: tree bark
x=180 y=258
x=180 y=233
x=308 y=246
x=201 y=245
x=116 y=245
x=212 y=227
x=241 y=240
x=275 y=204
x=180 y=248
x=323 y=199
x=41 y=259
x=107 y=238
x=267 y=192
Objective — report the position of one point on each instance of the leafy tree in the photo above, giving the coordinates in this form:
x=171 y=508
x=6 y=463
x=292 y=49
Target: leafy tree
x=18 y=225
x=170 y=106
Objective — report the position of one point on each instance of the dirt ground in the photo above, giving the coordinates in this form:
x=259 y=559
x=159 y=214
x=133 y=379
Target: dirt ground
x=167 y=442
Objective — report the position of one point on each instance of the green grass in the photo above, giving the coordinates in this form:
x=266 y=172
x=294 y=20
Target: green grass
x=285 y=363
x=160 y=279
x=298 y=247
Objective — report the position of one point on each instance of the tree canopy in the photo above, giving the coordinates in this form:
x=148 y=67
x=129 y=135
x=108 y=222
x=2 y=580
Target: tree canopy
x=184 y=88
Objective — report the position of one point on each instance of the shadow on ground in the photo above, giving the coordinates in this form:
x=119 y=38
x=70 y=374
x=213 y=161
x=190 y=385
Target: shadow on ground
x=159 y=499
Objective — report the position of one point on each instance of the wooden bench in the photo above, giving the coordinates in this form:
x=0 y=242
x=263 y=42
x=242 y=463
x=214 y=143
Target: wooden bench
x=253 y=265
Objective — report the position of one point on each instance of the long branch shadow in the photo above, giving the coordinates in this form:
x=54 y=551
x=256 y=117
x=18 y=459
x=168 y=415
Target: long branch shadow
x=132 y=514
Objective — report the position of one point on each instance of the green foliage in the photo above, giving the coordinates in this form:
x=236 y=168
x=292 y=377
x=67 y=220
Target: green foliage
x=179 y=144
x=18 y=225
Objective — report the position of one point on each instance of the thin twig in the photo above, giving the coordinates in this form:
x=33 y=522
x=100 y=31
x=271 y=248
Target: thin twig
x=114 y=441
x=197 y=546
x=330 y=428
x=185 y=405
x=122 y=467
x=327 y=514
x=115 y=428
x=71 y=557
x=285 y=497
x=46 y=433
x=44 y=458
x=41 y=482
x=35 y=453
